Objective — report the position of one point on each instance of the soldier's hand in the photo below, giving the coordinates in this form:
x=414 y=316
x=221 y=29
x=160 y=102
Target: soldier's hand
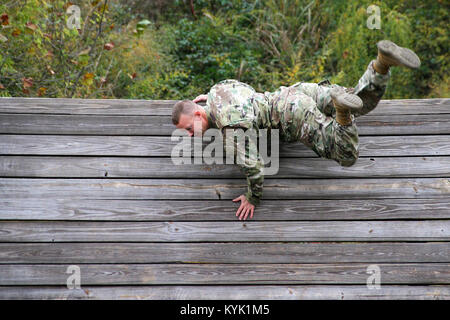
x=200 y=98
x=245 y=208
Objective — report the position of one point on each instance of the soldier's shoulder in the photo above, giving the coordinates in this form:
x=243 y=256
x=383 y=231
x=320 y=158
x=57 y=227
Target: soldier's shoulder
x=227 y=81
x=234 y=84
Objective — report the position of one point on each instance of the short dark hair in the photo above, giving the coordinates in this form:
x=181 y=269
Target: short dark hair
x=182 y=107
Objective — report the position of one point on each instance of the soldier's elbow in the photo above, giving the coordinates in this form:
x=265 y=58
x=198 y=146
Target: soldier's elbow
x=348 y=162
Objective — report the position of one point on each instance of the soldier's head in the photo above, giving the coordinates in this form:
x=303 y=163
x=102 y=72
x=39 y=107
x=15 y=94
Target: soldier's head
x=190 y=116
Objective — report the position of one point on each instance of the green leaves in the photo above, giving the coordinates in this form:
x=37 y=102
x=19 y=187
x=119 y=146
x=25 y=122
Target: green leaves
x=158 y=50
x=42 y=56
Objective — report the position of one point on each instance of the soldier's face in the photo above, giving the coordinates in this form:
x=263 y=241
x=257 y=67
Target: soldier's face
x=195 y=124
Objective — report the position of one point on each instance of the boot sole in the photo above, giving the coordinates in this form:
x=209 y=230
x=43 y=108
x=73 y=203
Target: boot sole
x=399 y=55
x=346 y=100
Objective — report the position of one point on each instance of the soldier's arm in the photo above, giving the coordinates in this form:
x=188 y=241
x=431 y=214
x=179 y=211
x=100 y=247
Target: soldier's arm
x=248 y=160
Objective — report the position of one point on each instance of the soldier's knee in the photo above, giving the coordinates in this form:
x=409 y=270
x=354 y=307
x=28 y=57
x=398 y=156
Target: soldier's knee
x=347 y=146
x=349 y=158
x=348 y=162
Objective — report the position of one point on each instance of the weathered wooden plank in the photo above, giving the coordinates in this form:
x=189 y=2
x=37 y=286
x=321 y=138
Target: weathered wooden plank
x=87 y=106
x=428 y=199
x=162 y=125
x=370 y=146
x=185 y=274
x=234 y=252
x=404 y=124
x=164 y=107
x=411 y=106
x=86 y=124
x=223 y=210
x=207 y=189
x=89 y=145
x=247 y=292
x=57 y=231
x=115 y=167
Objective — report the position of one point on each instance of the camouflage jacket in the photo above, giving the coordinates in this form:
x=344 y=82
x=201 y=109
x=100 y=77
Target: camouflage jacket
x=234 y=104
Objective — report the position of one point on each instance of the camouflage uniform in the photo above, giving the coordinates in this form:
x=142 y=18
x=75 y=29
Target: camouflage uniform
x=302 y=112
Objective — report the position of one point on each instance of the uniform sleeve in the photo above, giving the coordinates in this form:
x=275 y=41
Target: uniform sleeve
x=248 y=160
x=232 y=104
x=236 y=116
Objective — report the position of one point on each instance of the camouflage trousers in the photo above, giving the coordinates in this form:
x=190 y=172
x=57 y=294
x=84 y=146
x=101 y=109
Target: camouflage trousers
x=314 y=123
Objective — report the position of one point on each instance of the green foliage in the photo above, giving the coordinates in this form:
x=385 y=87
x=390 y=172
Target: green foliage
x=160 y=85
x=143 y=49
x=210 y=51
x=430 y=27
x=353 y=45
x=44 y=57
x=289 y=35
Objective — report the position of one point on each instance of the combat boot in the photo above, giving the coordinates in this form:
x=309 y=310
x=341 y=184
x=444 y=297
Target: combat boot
x=390 y=54
x=345 y=104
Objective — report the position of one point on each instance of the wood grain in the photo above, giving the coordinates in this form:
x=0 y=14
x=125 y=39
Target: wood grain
x=207 y=274
x=162 y=125
x=224 y=252
x=222 y=210
x=209 y=189
x=164 y=107
x=232 y=292
x=370 y=146
x=211 y=231
x=91 y=183
x=128 y=167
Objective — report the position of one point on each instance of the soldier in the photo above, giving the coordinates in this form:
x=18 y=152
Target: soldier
x=322 y=116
